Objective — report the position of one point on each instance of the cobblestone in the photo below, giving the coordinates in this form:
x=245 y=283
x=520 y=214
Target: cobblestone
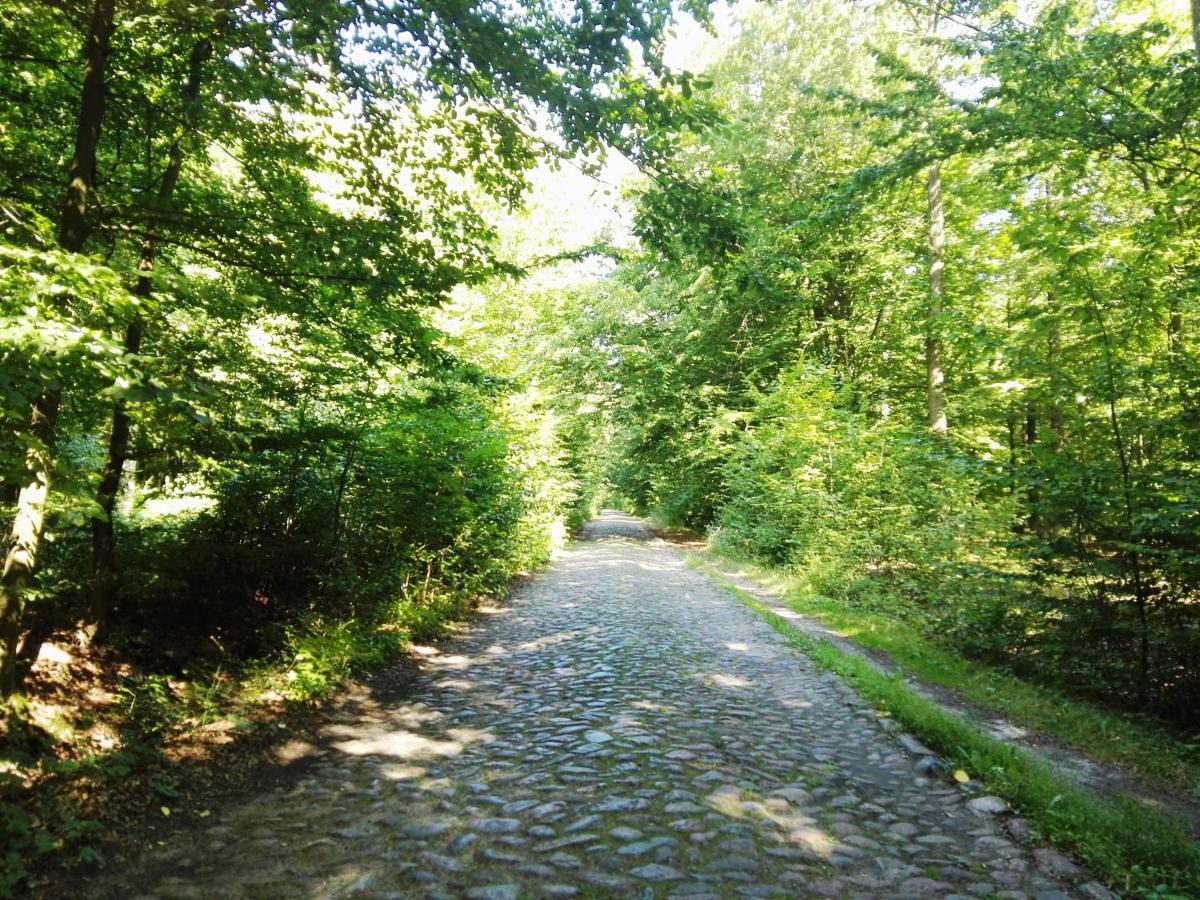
x=622 y=727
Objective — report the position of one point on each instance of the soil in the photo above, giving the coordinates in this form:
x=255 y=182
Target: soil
x=206 y=768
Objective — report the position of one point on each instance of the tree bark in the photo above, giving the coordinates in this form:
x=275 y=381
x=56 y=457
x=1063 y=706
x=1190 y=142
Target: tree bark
x=1196 y=28
x=1032 y=497
x=1175 y=322
x=343 y=481
x=1057 y=418
x=25 y=540
x=104 y=564
x=1141 y=591
x=104 y=569
x=81 y=181
x=21 y=558
x=935 y=376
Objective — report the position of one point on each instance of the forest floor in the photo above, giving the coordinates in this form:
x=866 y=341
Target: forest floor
x=623 y=726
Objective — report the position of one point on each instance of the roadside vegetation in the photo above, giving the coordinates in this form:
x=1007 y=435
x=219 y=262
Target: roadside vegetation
x=923 y=339
x=240 y=462
x=911 y=327
x=1142 y=745
x=301 y=355
x=894 y=336
x=1138 y=849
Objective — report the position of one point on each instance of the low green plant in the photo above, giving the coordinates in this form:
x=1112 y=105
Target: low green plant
x=1141 y=744
x=325 y=654
x=1140 y=850
x=17 y=839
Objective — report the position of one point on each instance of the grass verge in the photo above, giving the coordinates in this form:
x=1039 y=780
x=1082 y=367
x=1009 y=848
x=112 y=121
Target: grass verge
x=1140 y=744
x=1138 y=850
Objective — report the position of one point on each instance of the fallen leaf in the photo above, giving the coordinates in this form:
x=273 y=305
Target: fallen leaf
x=961 y=777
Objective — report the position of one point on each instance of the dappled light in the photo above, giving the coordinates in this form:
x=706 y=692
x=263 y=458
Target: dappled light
x=640 y=448
x=652 y=733
x=723 y=680
x=407 y=745
x=812 y=839
x=548 y=641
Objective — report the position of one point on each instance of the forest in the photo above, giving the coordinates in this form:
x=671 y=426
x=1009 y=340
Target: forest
x=314 y=329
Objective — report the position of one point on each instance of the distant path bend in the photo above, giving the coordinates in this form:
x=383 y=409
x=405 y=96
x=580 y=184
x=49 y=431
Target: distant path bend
x=622 y=727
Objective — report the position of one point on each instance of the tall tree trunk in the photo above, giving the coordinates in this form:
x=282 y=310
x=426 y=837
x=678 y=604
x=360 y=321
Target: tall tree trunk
x=1175 y=322
x=1141 y=590
x=1032 y=495
x=81 y=181
x=21 y=559
x=935 y=376
x=104 y=565
x=1057 y=418
x=104 y=568
x=1011 y=423
x=1196 y=28
x=343 y=481
x=25 y=540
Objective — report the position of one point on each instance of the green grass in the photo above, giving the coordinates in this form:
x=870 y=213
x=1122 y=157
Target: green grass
x=1136 y=849
x=1139 y=744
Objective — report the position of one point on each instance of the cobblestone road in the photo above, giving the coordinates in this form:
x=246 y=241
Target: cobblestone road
x=622 y=727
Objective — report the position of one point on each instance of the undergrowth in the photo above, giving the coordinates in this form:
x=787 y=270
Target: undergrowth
x=1134 y=848
x=1141 y=744
x=56 y=790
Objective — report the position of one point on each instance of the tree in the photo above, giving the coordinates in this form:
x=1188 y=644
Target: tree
x=1024 y=211
x=284 y=182
x=29 y=518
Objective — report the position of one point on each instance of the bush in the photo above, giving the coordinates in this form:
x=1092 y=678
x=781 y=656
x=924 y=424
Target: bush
x=888 y=518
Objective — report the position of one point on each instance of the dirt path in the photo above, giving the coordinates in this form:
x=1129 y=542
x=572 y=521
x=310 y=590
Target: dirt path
x=622 y=727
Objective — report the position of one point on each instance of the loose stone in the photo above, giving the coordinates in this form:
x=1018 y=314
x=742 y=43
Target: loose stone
x=987 y=805
x=656 y=872
x=494 y=892
x=624 y=833
x=496 y=826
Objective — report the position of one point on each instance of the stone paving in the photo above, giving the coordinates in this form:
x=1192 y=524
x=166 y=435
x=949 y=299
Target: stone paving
x=622 y=727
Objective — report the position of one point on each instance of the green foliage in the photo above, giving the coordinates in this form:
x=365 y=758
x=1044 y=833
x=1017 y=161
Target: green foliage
x=1144 y=851
x=278 y=216
x=324 y=655
x=765 y=375
x=869 y=508
x=318 y=555
x=18 y=841
x=1139 y=743
x=233 y=385
x=282 y=366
